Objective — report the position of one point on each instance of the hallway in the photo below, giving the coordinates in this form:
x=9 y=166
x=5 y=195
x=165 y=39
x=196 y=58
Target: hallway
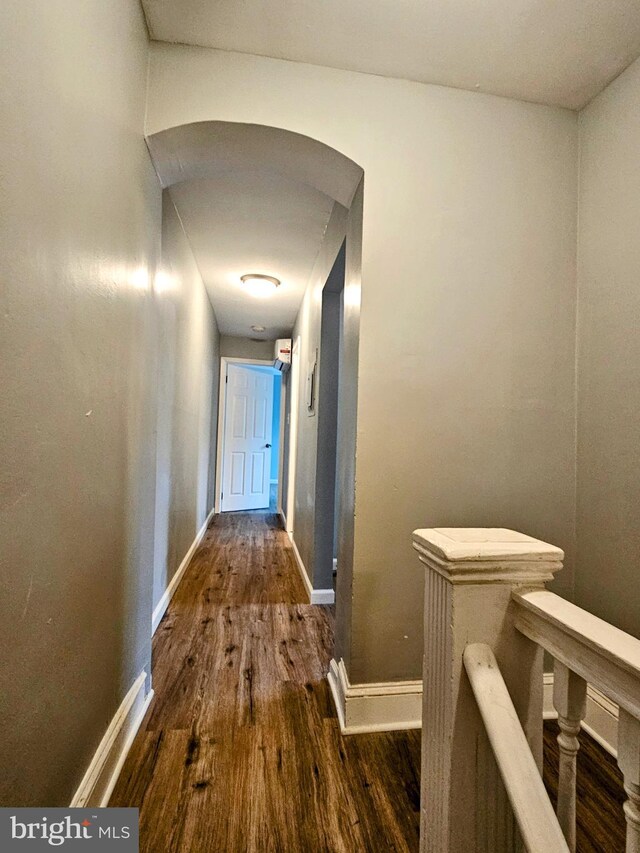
x=241 y=748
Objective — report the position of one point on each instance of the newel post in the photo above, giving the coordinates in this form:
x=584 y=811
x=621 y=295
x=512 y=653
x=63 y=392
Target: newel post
x=470 y=575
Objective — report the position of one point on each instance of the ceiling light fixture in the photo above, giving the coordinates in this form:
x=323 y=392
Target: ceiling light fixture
x=260 y=285
x=258 y=328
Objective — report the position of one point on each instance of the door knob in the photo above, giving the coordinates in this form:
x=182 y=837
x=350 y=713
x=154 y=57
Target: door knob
x=267 y=445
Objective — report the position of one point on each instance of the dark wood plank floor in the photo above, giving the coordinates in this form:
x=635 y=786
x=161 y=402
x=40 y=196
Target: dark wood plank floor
x=241 y=749
x=600 y=824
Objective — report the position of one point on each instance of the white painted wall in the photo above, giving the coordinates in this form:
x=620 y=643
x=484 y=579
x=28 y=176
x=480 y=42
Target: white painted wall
x=466 y=401
x=609 y=355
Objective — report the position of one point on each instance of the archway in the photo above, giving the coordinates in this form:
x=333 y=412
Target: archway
x=205 y=151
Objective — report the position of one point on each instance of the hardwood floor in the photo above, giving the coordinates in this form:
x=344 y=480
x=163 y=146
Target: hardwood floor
x=241 y=749
x=600 y=823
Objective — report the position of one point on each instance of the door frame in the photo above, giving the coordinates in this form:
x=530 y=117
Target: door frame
x=222 y=404
x=294 y=405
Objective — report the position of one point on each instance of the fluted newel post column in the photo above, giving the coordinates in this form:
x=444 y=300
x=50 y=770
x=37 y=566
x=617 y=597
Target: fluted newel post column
x=470 y=575
x=629 y=763
x=570 y=701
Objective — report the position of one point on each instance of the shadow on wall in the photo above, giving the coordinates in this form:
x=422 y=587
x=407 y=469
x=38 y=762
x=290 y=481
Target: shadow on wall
x=188 y=375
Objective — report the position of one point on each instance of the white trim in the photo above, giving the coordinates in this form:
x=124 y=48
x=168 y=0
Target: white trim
x=383 y=707
x=338 y=686
x=281 y=440
x=316 y=596
x=389 y=706
x=294 y=405
x=222 y=402
x=601 y=720
x=102 y=774
x=169 y=592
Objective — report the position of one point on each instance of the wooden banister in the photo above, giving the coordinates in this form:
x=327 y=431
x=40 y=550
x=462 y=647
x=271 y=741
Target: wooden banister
x=570 y=701
x=470 y=575
x=587 y=649
x=538 y=825
x=486 y=606
x=601 y=654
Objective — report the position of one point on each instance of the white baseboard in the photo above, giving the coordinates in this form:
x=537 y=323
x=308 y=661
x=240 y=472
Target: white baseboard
x=386 y=707
x=601 y=721
x=316 y=596
x=169 y=592
x=391 y=706
x=103 y=771
x=396 y=705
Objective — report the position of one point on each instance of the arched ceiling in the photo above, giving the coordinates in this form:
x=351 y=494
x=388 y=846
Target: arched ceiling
x=252 y=199
x=559 y=52
x=202 y=149
x=253 y=222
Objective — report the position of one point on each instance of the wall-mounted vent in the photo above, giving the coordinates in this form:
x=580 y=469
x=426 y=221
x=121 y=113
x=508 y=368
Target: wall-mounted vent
x=282 y=355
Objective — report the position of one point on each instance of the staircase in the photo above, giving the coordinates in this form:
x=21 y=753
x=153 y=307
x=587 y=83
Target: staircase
x=488 y=620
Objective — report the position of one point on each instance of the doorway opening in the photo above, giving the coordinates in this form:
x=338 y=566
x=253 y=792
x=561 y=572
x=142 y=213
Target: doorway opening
x=261 y=200
x=331 y=356
x=250 y=426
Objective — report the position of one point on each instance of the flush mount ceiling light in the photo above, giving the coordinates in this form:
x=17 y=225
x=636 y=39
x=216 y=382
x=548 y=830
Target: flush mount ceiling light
x=260 y=285
x=258 y=328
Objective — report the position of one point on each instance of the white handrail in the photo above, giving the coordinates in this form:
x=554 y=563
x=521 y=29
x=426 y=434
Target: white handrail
x=601 y=654
x=539 y=827
x=587 y=649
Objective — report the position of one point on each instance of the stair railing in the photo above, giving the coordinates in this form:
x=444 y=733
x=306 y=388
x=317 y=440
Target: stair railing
x=488 y=618
x=587 y=650
x=538 y=826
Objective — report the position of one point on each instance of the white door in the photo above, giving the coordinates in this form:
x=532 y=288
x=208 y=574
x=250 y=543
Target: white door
x=246 y=461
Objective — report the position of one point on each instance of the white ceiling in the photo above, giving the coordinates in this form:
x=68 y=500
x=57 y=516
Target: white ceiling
x=559 y=52
x=204 y=148
x=253 y=222
x=252 y=199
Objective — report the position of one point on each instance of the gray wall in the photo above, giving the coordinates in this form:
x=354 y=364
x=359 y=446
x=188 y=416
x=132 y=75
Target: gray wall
x=466 y=357
x=466 y=383
x=466 y=392
x=80 y=233
x=188 y=376
x=608 y=521
x=233 y=347
x=348 y=428
x=327 y=415
x=308 y=328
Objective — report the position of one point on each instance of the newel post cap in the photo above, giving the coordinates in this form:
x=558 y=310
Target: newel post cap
x=487 y=555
